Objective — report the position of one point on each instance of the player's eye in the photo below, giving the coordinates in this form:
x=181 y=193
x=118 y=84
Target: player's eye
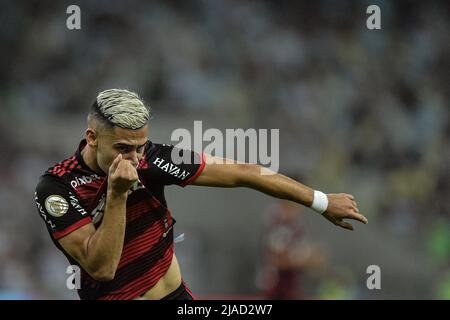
x=122 y=149
x=140 y=149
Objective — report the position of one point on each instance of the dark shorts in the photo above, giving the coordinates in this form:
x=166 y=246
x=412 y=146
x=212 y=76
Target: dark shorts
x=182 y=293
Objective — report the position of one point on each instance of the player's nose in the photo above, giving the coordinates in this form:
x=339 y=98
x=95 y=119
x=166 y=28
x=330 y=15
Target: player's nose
x=132 y=157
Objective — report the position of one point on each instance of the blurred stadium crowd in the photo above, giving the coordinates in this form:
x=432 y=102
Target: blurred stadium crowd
x=357 y=109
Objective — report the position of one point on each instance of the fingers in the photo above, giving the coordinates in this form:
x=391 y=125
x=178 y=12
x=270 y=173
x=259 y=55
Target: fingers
x=115 y=163
x=344 y=225
x=123 y=168
x=356 y=215
x=359 y=217
x=126 y=170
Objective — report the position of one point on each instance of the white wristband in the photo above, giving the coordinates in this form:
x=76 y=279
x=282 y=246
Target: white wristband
x=320 y=202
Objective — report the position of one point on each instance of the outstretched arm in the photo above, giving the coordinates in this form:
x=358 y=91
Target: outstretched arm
x=219 y=172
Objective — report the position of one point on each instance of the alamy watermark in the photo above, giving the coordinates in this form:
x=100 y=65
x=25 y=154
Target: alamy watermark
x=246 y=146
x=374 y=280
x=374 y=20
x=73 y=21
x=74 y=279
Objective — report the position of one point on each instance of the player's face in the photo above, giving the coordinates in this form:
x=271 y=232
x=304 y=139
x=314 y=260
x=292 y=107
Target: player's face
x=130 y=143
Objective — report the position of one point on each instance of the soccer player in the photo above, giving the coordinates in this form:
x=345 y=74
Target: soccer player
x=104 y=207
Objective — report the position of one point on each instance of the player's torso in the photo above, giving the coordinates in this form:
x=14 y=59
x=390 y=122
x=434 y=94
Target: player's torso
x=166 y=285
x=147 y=255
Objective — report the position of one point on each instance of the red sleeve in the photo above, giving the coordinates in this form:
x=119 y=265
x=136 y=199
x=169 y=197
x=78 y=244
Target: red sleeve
x=60 y=234
x=199 y=171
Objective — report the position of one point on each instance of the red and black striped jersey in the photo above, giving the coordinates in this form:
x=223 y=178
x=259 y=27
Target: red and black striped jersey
x=70 y=195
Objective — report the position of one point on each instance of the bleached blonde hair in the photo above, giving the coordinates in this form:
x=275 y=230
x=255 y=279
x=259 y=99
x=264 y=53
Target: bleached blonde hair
x=119 y=107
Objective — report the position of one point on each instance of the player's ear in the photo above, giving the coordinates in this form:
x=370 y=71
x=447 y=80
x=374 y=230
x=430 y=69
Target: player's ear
x=91 y=137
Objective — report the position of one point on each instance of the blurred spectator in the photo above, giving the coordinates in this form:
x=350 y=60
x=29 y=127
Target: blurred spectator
x=287 y=253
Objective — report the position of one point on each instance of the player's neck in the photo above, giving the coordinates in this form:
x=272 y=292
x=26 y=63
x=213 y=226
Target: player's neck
x=90 y=159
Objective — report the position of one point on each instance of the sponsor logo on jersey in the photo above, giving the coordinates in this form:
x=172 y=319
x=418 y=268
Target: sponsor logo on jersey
x=76 y=204
x=78 y=181
x=171 y=168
